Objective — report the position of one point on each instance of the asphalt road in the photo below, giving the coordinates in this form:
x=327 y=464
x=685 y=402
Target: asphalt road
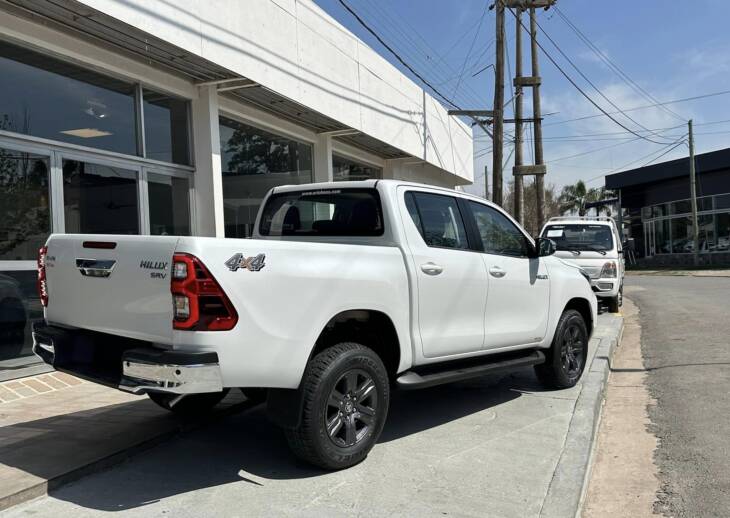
x=685 y=325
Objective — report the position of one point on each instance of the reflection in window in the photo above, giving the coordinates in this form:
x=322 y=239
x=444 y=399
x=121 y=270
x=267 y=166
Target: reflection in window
x=344 y=169
x=49 y=98
x=253 y=161
x=441 y=223
x=99 y=199
x=25 y=217
x=19 y=308
x=169 y=205
x=166 y=128
x=722 y=230
x=682 y=235
x=661 y=237
x=499 y=235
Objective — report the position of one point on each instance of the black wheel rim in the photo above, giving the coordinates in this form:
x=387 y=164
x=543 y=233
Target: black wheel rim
x=351 y=408
x=572 y=351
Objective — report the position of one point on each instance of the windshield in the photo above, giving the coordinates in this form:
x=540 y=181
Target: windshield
x=323 y=212
x=596 y=238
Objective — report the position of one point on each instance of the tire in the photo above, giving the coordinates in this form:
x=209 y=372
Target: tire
x=12 y=328
x=614 y=303
x=191 y=405
x=336 y=430
x=566 y=358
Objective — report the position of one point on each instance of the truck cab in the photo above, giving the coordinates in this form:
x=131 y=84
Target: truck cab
x=594 y=244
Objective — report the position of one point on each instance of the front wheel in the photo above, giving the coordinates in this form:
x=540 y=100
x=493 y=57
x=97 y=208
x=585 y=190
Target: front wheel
x=189 y=406
x=567 y=356
x=345 y=402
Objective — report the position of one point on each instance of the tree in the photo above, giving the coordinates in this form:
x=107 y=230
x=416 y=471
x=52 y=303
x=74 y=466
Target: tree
x=552 y=207
x=574 y=198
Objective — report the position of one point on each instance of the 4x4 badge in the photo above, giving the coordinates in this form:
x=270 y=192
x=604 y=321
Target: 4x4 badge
x=253 y=264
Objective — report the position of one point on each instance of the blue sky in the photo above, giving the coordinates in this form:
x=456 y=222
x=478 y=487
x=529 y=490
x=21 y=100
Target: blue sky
x=671 y=49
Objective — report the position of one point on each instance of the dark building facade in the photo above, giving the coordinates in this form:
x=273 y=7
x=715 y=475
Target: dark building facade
x=657 y=209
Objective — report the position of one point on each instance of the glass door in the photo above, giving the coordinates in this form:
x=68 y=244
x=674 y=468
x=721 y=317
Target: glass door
x=169 y=196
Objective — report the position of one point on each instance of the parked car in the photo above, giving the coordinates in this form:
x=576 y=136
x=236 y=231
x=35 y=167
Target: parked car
x=594 y=244
x=13 y=318
x=346 y=291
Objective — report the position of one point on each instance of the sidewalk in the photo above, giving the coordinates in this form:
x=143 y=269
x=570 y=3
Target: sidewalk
x=497 y=446
x=691 y=273
x=55 y=428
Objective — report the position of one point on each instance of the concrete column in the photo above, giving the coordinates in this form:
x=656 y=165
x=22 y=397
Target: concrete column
x=208 y=176
x=323 y=159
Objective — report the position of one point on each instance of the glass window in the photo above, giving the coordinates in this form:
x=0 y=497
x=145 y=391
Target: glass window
x=704 y=203
x=169 y=198
x=253 y=161
x=99 y=199
x=166 y=128
x=659 y=210
x=19 y=308
x=706 y=232
x=347 y=212
x=499 y=235
x=681 y=207
x=441 y=223
x=597 y=238
x=722 y=201
x=413 y=211
x=682 y=235
x=661 y=237
x=344 y=169
x=722 y=231
x=25 y=216
x=646 y=213
x=49 y=98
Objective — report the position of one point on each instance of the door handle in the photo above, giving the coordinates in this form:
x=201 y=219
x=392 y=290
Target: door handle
x=431 y=268
x=496 y=271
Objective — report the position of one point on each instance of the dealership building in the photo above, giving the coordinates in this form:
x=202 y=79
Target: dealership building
x=158 y=117
x=658 y=211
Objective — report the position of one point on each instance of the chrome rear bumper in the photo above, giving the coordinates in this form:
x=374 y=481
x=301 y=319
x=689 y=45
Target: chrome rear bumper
x=130 y=365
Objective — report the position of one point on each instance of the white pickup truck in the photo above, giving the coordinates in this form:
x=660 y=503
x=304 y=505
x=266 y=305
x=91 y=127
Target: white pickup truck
x=346 y=291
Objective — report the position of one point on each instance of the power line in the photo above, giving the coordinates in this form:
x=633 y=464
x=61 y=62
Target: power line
x=644 y=107
x=468 y=54
x=580 y=72
x=614 y=66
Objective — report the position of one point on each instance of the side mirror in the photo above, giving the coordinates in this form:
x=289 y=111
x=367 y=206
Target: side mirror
x=545 y=246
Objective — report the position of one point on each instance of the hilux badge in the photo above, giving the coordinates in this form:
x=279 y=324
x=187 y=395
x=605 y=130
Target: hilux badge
x=253 y=263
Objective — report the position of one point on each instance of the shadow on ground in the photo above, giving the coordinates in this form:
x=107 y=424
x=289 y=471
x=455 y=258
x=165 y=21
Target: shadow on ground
x=245 y=446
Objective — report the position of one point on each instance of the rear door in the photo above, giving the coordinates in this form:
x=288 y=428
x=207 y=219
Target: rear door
x=112 y=284
x=519 y=287
x=451 y=279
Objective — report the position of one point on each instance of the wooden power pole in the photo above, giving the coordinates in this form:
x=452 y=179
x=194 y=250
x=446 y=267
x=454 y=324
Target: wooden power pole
x=537 y=125
x=519 y=200
x=693 y=194
x=498 y=125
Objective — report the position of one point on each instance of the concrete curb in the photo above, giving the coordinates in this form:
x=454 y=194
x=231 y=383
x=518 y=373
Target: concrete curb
x=570 y=479
x=44 y=487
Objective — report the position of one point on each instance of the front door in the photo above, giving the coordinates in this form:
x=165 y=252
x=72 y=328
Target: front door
x=519 y=287
x=450 y=278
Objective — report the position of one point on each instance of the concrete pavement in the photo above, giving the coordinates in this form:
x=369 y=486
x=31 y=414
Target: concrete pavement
x=499 y=446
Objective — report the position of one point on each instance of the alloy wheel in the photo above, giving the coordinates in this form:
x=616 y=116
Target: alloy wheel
x=351 y=408
x=572 y=351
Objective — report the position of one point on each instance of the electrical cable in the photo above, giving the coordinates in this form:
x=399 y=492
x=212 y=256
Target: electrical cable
x=468 y=54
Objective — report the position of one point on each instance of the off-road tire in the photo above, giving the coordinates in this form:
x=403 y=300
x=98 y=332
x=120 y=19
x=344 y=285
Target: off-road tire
x=192 y=405
x=614 y=303
x=572 y=332
x=325 y=374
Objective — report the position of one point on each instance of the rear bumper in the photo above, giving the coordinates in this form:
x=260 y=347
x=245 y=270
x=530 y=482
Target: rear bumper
x=130 y=365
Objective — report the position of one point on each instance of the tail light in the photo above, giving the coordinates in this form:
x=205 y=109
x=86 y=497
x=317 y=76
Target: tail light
x=198 y=301
x=42 y=282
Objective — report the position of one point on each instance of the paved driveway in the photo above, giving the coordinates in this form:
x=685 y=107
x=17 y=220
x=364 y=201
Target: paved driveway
x=482 y=448
x=685 y=325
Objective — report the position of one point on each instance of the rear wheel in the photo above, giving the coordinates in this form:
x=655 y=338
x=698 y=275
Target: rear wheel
x=191 y=405
x=566 y=358
x=345 y=402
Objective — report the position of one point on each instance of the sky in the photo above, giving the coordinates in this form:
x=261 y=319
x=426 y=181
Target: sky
x=669 y=49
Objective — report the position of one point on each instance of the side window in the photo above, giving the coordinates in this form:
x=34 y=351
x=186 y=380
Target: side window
x=413 y=211
x=499 y=235
x=440 y=220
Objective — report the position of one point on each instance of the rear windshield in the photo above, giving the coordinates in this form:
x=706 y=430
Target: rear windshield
x=598 y=238
x=331 y=212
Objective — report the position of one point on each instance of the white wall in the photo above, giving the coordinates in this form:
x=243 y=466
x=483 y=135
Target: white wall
x=297 y=50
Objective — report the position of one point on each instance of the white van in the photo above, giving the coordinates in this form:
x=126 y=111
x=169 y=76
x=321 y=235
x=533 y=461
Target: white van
x=594 y=244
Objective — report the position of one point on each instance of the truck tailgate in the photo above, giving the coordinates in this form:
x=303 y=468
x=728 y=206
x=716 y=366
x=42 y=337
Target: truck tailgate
x=112 y=284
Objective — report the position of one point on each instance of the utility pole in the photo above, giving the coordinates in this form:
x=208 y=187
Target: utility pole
x=498 y=128
x=519 y=199
x=693 y=194
x=486 y=182
x=537 y=123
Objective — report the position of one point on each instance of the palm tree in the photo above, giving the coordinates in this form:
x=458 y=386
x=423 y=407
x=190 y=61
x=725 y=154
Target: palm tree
x=574 y=198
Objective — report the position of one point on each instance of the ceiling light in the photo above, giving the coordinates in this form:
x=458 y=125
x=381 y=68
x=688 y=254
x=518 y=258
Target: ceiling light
x=86 y=133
